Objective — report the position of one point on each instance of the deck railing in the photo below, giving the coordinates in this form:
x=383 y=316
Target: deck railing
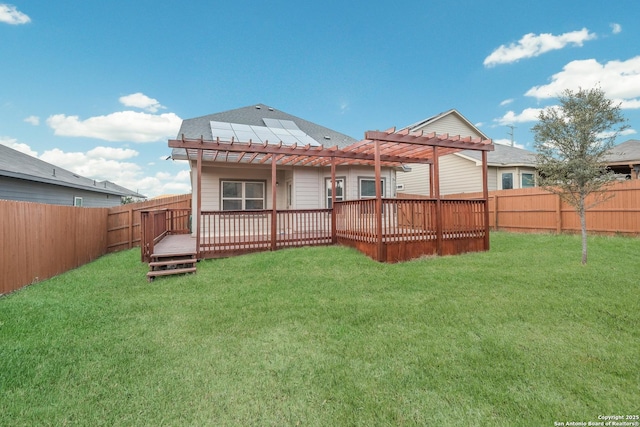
x=409 y=219
x=156 y=224
x=228 y=232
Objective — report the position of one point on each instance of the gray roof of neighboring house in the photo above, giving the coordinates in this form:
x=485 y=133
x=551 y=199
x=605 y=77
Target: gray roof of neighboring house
x=626 y=152
x=253 y=115
x=15 y=164
x=504 y=155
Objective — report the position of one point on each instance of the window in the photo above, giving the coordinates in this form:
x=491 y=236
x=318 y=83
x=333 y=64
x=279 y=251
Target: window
x=528 y=181
x=77 y=201
x=507 y=181
x=368 y=187
x=339 y=190
x=242 y=195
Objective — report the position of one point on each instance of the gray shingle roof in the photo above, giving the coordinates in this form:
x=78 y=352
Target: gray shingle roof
x=254 y=115
x=504 y=155
x=15 y=164
x=628 y=151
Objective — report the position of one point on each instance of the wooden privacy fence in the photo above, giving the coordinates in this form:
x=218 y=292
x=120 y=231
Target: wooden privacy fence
x=537 y=210
x=123 y=226
x=39 y=241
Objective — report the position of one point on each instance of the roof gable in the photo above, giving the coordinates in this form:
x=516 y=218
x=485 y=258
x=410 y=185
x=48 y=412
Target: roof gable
x=255 y=115
x=451 y=122
x=16 y=164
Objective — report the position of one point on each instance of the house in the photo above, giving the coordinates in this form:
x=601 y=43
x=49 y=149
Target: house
x=238 y=182
x=624 y=159
x=26 y=178
x=263 y=179
x=461 y=172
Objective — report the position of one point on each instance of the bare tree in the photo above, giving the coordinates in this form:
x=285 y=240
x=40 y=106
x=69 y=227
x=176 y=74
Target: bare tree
x=572 y=140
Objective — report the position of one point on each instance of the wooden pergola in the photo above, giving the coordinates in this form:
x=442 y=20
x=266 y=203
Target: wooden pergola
x=379 y=148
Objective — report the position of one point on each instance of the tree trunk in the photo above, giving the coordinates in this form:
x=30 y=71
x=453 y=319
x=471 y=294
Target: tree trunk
x=583 y=227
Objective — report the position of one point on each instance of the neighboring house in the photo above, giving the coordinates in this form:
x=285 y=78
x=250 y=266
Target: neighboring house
x=26 y=178
x=233 y=182
x=508 y=167
x=624 y=159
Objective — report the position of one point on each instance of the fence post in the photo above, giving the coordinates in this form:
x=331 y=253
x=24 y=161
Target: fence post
x=558 y=214
x=495 y=212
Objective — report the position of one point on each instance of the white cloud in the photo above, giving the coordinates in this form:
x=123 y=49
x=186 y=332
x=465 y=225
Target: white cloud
x=628 y=104
x=105 y=163
x=11 y=15
x=142 y=101
x=618 y=79
x=527 y=115
x=120 y=126
x=616 y=28
x=34 y=120
x=531 y=45
x=507 y=142
x=18 y=146
x=506 y=102
x=111 y=153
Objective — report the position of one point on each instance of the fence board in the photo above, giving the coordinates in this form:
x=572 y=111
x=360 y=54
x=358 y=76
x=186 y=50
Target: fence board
x=123 y=223
x=537 y=210
x=40 y=241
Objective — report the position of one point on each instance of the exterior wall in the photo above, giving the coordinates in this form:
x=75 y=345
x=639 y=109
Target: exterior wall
x=459 y=175
x=30 y=191
x=307 y=184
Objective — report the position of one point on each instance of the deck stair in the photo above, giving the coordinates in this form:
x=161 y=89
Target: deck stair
x=169 y=264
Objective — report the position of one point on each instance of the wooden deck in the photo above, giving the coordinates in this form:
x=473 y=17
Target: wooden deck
x=175 y=245
x=403 y=230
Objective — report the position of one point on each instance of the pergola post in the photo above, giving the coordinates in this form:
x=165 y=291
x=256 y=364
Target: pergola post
x=485 y=196
x=274 y=196
x=199 y=202
x=436 y=194
x=378 y=201
x=334 y=237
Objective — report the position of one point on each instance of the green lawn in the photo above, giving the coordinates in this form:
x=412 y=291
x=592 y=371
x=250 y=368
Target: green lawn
x=523 y=335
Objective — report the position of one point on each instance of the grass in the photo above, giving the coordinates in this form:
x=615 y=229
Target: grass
x=521 y=335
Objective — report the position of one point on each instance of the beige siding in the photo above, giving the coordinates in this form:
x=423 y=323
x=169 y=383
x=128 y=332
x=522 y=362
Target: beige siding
x=308 y=184
x=450 y=124
x=459 y=175
x=306 y=187
x=416 y=181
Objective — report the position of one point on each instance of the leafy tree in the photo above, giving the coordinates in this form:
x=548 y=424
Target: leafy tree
x=572 y=140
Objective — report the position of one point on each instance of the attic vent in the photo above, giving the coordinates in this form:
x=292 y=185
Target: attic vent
x=327 y=137
x=77 y=176
x=270 y=109
x=258 y=107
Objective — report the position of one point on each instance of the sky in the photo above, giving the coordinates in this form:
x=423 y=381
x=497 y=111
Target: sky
x=99 y=88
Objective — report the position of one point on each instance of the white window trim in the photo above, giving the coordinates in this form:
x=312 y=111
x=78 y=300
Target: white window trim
x=367 y=178
x=327 y=183
x=78 y=201
x=244 y=192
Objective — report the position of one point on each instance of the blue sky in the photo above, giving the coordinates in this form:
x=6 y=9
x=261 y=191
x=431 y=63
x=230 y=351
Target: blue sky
x=99 y=87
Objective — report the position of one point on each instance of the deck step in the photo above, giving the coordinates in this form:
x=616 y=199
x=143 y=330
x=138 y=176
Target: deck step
x=152 y=274
x=170 y=264
x=163 y=263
